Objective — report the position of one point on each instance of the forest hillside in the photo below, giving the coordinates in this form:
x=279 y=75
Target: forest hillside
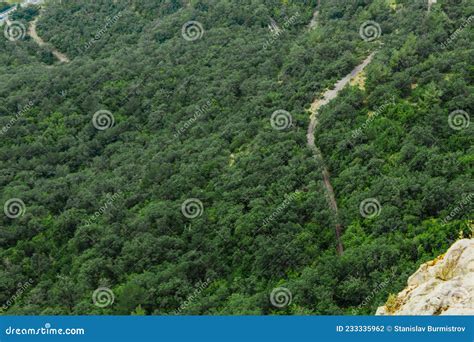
x=164 y=167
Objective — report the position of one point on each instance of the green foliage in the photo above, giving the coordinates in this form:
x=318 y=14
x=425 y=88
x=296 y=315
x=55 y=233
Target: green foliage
x=4 y=6
x=25 y=13
x=153 y=81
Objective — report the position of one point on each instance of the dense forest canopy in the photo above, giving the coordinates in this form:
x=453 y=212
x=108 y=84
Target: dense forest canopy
x=101 y=154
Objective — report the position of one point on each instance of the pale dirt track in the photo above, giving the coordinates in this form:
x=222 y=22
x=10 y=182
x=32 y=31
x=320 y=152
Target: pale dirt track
x=315 y=106
x=314 y=21
x=33 y=34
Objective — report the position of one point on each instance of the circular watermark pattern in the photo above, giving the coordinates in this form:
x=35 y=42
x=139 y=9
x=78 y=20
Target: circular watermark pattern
x=14 y=208
x=103 y=297
x=192 y=30
x=458 y=296
x=103 y=119
x=281 y=119
x=459 y=119
x=370 y=208
x=281 y=297
x=14 y=30
x=192 y=208
x=370 y=30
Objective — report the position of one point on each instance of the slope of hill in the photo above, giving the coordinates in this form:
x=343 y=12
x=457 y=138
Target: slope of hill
x=164 y=169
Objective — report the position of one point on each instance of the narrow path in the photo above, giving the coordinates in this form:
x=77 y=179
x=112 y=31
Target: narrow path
x=33 y=34
x=431 y=3
x=314 y=21
x=315 y=106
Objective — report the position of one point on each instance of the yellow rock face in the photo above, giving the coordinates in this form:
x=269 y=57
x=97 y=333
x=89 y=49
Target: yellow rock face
x=443 y=286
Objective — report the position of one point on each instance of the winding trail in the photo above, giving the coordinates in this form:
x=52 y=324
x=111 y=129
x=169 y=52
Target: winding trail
x=431 y=3
x=329 y=95
x=33 y=34
x=314 y=21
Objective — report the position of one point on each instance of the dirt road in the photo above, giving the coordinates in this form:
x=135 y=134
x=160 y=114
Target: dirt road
x=314 y=21
x=315 y=106
x=33 y=34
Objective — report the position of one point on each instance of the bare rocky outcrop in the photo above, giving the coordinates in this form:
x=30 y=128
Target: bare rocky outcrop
x=443 y=286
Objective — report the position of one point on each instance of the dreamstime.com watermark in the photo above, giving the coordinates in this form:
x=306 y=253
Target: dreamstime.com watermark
x=46 y=330
x=192 y=208
x=19 y=292
x=277 y=32
x=459 y=208
x=281 y=120
x=456 y=33
x=372 y=293
x=14 y=208
x=358 y=131
x=14 y=30
x=103 y=297
x=22 y=111
x=192 y=30
x=200 y=111
x=459 y=119
x=370 y=30
x=288 y=199
x=197 y=291
x=107 y=205
x=17 y=116
x=370 y=208
x=99 y=34
x=103 y=119
x=281 y=297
